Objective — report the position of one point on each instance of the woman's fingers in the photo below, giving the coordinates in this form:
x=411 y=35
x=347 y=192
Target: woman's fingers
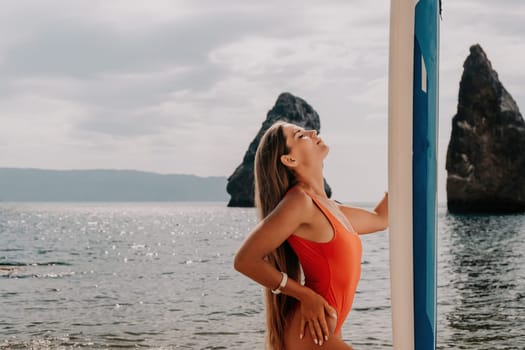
x=312 y=332
x=324 y=329
x=314 y=309
x=319 y=332
x=318 y=329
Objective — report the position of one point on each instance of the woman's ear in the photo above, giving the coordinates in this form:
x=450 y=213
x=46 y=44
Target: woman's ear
x=288 y=161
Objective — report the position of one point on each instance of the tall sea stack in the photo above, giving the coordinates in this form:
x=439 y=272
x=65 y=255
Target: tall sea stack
x=486 y=154
x=288 y=108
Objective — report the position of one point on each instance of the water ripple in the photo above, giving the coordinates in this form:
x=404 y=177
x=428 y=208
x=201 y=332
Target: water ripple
x=160 y=276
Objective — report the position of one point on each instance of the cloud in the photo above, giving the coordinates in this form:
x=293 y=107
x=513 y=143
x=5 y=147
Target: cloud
x=157 y=85
x=86 y=49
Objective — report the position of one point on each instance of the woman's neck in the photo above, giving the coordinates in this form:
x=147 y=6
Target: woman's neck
x=313 y=183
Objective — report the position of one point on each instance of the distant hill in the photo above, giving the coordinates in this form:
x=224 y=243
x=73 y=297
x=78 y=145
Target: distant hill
x=18 y=184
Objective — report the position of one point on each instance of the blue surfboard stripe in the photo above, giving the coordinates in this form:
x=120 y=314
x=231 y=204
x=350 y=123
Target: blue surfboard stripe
x=424 y=180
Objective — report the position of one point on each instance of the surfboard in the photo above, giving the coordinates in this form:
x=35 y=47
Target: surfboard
x=412 y=171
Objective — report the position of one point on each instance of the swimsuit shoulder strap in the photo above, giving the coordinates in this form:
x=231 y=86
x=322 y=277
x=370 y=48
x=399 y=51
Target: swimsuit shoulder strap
x=323 y=209
x=331 y=217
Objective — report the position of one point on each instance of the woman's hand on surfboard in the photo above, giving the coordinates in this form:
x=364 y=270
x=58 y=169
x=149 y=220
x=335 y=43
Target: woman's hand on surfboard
x=314 y=309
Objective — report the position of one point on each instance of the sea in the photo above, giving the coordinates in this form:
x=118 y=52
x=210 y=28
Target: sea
x=160 y=276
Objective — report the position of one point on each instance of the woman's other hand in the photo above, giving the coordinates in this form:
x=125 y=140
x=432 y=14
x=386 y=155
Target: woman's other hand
x=314 y=309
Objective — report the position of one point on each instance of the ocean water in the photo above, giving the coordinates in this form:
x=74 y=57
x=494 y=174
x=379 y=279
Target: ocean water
x=160 y=276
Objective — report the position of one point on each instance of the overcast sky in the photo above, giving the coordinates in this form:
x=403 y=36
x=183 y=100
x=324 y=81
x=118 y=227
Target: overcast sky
x=183 y=86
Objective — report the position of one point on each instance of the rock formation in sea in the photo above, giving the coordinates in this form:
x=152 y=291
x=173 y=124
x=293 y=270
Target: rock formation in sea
x=288 y=108
x=486 y=153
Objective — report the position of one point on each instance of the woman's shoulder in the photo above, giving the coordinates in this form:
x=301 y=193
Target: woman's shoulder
x=293 y=210
x=297 y=198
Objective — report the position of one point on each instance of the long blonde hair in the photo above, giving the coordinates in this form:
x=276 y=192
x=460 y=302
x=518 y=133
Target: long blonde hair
x=272 y=180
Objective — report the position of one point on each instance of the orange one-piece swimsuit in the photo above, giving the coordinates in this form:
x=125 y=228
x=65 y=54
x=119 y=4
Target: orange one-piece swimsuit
x=332 y=269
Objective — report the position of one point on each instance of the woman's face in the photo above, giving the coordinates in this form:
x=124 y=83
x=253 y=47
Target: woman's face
x=305 y=145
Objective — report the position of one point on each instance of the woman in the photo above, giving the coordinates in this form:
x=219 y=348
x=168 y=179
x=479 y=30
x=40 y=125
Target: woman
x=301 y=227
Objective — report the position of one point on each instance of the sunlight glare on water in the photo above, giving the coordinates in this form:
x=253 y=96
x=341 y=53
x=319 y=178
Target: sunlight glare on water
x=160 y=275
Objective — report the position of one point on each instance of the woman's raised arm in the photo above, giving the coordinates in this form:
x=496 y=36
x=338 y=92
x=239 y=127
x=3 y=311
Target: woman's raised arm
x=366 y=221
